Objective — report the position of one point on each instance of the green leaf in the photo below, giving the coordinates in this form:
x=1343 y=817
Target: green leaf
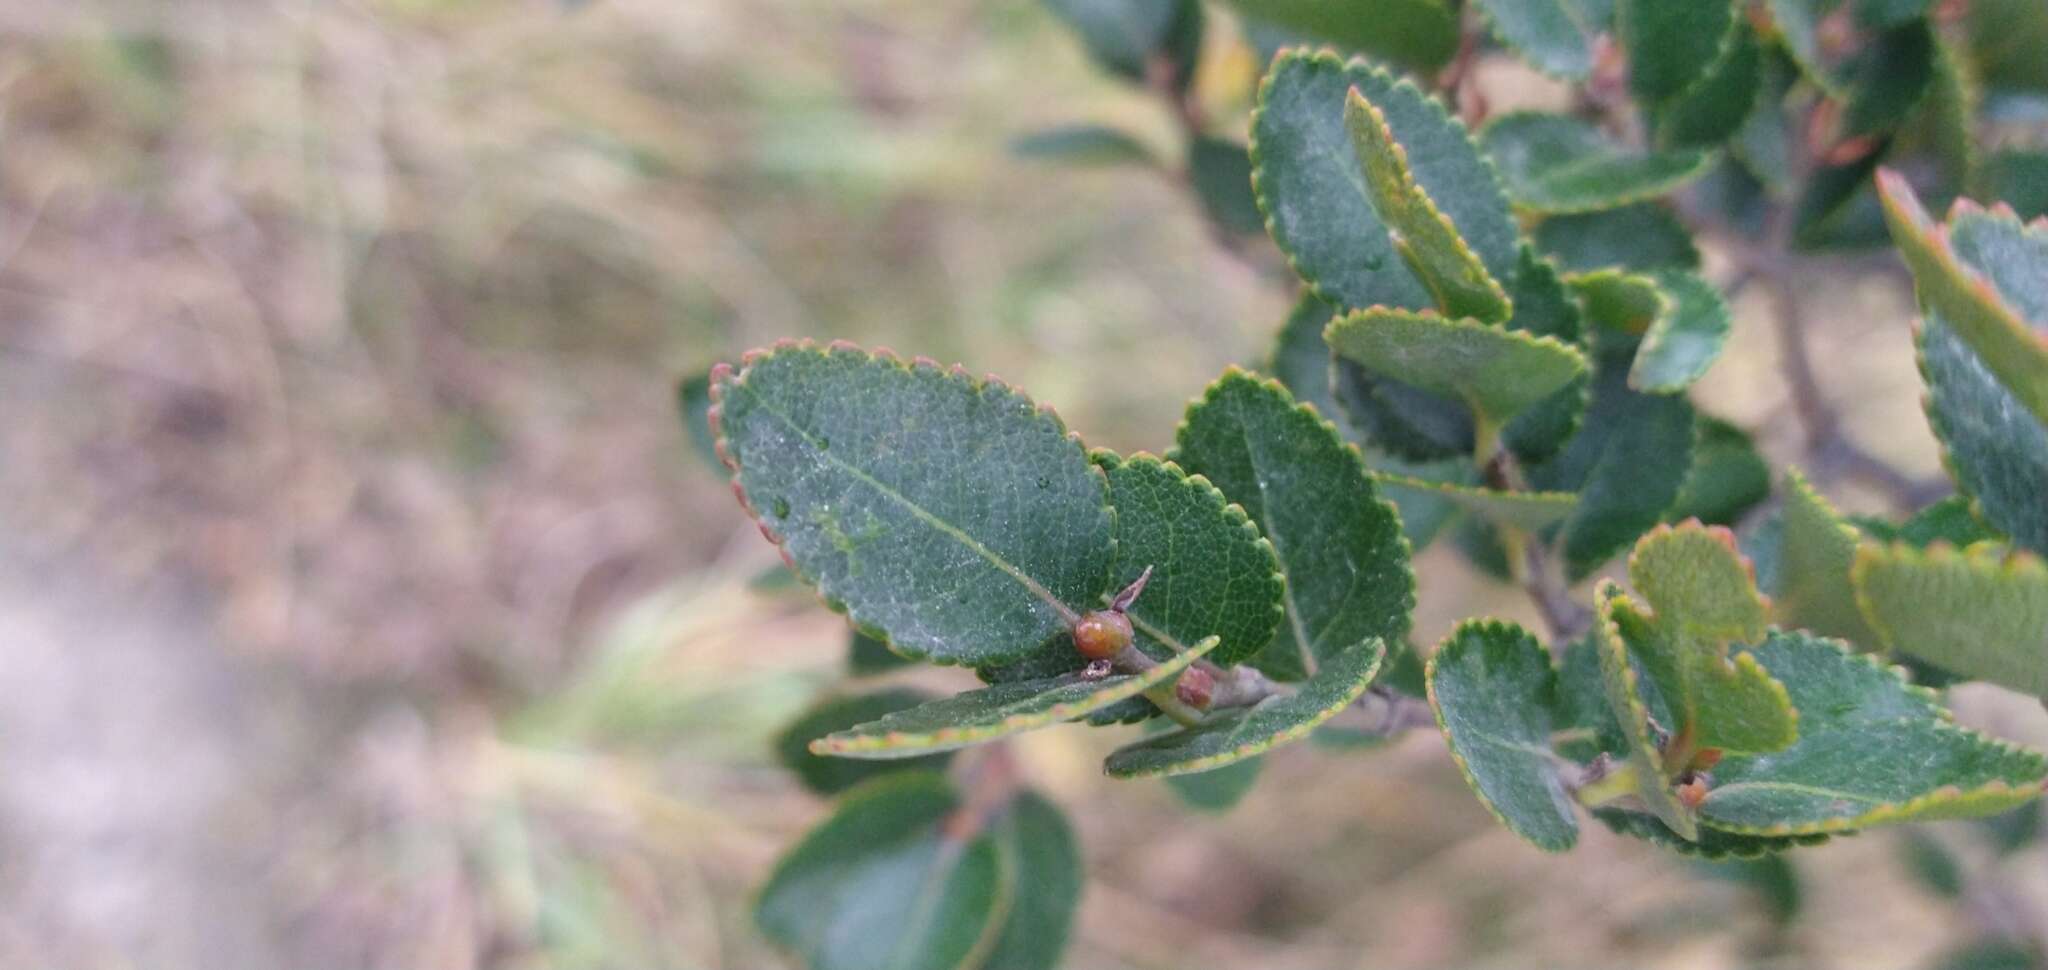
x=949 y=515
x=693 y=399
x=2017 y=178
x=1318 y=205
x=1714 y=109
x=1218 y=790
x=997 y=711
x=1227 y=737
x=1221 y=171
x=1544 y=307
x=1705 y=608
x=1932 y=865
x=867 y=656
x=1622 y=302
x=1985 y=298
x=1528 y=511
x=1212 y=573
x=1890 y=13
x=1420 y=35
x=1799 y=26
x=1836 y=202
x=1763 y=146
x=1672 y=44
x=1949 y=520
x=1892 y=75
x=828 y=776
x=1401 y=419
x=1044 y=867
x=1872 y=749
x=1497 y=373
x=1340 y=546
x=1124 y=35
x=2006 y=40
x=1493 y=689
x=1683 y=342
x=1815 y=550
x=1627 y=463
x=1996 y=451
x=1423 y=235
x=1082 y=145
x=1557 y=163
x=1989 y=954
x=883 y=885
x=1551 y=35
x=1728 y=477
x=1624 y=687
x=1636 y=237
x=1980 y=612
x=1302 y=364
x=1713 y=844
x=1771 y=878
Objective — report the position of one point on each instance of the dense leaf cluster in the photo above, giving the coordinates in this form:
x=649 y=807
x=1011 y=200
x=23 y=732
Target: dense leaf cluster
x=1497 y=329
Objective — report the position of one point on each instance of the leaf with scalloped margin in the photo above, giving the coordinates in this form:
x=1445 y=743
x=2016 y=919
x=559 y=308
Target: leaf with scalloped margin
x=1043 y=866
x=1557 y=163
x=827 y=776
x=1634 y=238
x=1683 y=342
x=1551 y=35
x=1728 y=476
x=949 y=515
x=1873 y=749
x=1890 y=78
x=1544 y=307
x=1318 y=206
x=1980 y=612
x=1227 y=737
x=1712 y=110
x=883 y=885
x=1815 y=550
x=1988 y=297
x=1493 y=688
x=1704 y=610
x=1341 y=546
x=1672 y=44
x=1624 y=688
x=1498 y=373
x=997 y=711
x=1528 y=511
x=1213 y=574
x=1423 y=235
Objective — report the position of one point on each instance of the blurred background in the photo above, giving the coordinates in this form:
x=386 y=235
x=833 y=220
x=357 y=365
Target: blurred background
x=363 y=604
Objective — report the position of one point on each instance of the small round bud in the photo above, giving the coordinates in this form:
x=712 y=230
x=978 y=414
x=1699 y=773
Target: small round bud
x=1102 y=634
x=1196 y=688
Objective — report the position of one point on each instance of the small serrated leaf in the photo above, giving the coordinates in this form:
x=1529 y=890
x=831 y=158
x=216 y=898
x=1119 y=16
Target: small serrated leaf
x=1683 y=342
x=1227 y=737
x=1426 y=239
x=882 y=885
x=1557 y=163
x=997 y=711
x=1981 y=612
x=952 y=516
x=1320 y=211
x=1816 y=548
x=1212 y=573
x=1498 y=373
x=1872 y=749
x=827 y=776
x=1493 y=688
x=1340 y=546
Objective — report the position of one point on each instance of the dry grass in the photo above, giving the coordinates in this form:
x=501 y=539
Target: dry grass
x=364 y=608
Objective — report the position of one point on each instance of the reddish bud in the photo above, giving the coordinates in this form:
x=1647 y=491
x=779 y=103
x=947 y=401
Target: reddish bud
x=1102 y=634
x=1196 y=688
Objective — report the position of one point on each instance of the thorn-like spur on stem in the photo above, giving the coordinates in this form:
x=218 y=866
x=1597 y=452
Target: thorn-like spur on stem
x=1122 y=602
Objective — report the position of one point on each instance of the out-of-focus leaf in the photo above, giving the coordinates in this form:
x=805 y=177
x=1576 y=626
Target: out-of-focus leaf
x=1728 y=477
x=866 y=656
x=1980 y=612
x=1931 y=864
x=693 y=400
x=1553 y=36
x=1082 y=145
x=1218 y=790
x=882 y=885
x=1558 y=163
x=2006 y=41
x=1528 y=511
x=1124 y=35
x=1816 y=548
x=1636 y=237
x=2017 y=178
x=1420 y=35
x=828 y=776
x=1685 y=341
x=1713 y=109
x=1042 y=864
x=1891 y=78
x=1672 y=44
x=1221 y=171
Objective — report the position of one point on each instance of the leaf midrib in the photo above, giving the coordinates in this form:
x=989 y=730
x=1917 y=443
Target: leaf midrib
x=1036 y=588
